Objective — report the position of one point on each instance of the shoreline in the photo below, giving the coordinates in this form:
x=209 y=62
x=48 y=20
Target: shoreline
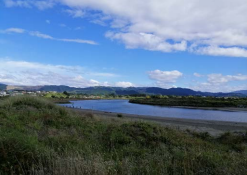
x=213 y=127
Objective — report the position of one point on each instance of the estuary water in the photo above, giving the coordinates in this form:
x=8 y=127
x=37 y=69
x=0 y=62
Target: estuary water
x=123 y=106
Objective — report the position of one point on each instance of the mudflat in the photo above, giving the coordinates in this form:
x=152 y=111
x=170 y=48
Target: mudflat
x=214 y=128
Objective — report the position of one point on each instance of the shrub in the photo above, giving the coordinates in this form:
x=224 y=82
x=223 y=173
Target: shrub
x=119 y=115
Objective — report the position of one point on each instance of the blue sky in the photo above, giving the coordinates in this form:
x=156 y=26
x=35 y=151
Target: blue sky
x=124 y=43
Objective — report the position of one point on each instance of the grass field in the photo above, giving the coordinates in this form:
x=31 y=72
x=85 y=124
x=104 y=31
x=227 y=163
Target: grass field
x=39 y=137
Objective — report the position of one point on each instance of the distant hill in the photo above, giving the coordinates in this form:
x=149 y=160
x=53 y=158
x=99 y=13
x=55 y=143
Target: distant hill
x=3 y=86
x=241 y=92
x=102 y=90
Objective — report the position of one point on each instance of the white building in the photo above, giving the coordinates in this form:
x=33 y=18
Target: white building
x=2 y=93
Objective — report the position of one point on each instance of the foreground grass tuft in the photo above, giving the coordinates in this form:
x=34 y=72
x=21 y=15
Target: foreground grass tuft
x=38 y=137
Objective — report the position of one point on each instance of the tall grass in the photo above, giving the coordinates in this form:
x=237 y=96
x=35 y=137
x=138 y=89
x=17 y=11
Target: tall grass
x=38 y=137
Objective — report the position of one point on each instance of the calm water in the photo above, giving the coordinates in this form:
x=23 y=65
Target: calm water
x=123 y=106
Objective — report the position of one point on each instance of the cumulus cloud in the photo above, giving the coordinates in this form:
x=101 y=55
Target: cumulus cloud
x=124 y=84
x=222 y=51
x=220 y=79
x=221 y=83
x=45 y=36
x=31 y=73
x=165 y=76
x=147 y=41
x=172 y=25
x=164 y=79
x=210 y=27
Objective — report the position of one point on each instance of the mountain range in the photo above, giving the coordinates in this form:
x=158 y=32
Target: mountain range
x=99 y=90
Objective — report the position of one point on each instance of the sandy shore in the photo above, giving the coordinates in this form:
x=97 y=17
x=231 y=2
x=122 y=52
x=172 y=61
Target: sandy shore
x=213 y=127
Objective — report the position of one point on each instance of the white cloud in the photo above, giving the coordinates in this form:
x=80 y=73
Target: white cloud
x=124 y=84
x=210 y=27
x=165 y=79
x=42 y=5
x=165 y=76
x=40 y=35
x=31 y=73
x=12 y=30
x=171 y=25
x=207 y=87
x=220 y=79
x=11 y=3
x=79 y=41
x=45 y=36
x=221 y=83
x=76 y=13
x=147 y=41
x=221 y=51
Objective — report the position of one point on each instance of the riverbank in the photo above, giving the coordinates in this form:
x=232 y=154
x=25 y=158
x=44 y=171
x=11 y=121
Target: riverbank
x=214 y=128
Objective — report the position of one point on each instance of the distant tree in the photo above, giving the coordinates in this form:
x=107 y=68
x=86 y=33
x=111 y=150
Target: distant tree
x=66 y=93
x=112 y=95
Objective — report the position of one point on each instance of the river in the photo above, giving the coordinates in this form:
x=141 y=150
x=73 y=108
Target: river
x=123 y=106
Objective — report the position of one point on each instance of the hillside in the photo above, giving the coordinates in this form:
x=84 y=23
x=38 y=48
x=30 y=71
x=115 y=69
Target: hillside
x=2 y=86
x=241 y=92
x=101 y=90
x=38 y=137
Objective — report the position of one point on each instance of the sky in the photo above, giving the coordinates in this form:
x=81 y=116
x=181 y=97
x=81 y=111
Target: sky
x=201 y=45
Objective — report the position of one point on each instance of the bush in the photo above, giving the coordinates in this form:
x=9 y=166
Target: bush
x=119 y=115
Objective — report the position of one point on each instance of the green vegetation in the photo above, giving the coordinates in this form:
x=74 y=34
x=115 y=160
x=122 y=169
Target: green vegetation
x=55 y=95
x=119 y=115
x=192 y=101
x=38 y=137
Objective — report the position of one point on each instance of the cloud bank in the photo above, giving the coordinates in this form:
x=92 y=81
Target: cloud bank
x=220 y=83
x=31 y=73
